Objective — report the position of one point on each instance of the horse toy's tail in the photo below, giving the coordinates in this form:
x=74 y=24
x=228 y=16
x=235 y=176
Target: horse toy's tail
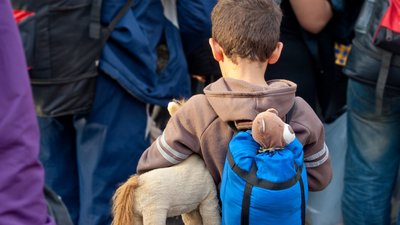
x=123 y=202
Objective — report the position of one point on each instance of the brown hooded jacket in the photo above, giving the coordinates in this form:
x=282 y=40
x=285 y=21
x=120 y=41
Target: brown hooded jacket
x=200 y=126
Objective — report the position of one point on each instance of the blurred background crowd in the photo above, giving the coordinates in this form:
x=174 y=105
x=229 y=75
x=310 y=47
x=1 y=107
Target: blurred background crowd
x=84 y=86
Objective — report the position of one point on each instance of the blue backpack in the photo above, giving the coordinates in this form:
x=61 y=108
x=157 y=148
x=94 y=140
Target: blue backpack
x=263 y=188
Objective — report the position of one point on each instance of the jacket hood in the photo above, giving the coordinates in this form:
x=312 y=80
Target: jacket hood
x=237 y=100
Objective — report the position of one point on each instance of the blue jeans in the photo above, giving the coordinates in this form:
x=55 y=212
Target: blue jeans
x=87 y=156
x=373 y=155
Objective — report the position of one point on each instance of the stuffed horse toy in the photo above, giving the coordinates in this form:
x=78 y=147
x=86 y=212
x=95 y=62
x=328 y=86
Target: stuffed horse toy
x=185 y=189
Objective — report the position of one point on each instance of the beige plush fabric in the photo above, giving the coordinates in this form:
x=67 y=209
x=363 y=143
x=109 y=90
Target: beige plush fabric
x=185 y=189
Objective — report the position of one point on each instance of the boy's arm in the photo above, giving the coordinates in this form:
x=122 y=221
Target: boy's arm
x=318 y=164
x=177 y=142
x=310 y=132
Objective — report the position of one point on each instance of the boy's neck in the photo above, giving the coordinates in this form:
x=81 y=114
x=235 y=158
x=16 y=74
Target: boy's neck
x=250 y=71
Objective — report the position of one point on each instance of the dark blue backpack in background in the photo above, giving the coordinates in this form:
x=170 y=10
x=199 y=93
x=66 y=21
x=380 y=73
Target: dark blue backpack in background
x=63 y=41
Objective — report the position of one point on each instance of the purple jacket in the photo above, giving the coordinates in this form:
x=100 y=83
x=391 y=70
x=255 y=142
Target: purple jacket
x=21 y=175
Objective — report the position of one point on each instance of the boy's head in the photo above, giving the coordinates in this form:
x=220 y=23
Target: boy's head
x=247 y=29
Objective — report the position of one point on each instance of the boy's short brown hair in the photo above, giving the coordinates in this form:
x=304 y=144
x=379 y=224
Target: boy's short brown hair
x=246 y=28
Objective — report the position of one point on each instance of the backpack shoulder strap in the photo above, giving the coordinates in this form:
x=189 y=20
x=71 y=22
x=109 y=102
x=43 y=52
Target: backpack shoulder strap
x=289 y=114
x=232 y=125
x=382 y=78
x=288 y=118
x=56 y=207
x=94 y=26
x=116 y=19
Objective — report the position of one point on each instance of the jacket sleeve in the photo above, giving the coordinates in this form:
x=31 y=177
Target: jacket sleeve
x=21 y=174
x=177 y=142
x=310 y=131
x=194 y=18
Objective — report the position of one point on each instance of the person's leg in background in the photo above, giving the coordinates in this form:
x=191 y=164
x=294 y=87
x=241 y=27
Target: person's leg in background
x=58 y=156
x=373 y=156
x=110 y=141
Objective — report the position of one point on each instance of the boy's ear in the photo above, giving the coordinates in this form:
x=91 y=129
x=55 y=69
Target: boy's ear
x=276 y=53
x=216 y=50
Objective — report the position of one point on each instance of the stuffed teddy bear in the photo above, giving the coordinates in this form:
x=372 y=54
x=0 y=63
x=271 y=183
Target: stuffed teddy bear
x=271 y=132
x=153 y=196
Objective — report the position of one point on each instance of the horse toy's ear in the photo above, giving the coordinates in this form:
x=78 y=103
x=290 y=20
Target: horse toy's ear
x=174 y=105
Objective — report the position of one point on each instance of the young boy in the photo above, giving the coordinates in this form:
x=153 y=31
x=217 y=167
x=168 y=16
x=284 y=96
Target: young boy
x=245 y=39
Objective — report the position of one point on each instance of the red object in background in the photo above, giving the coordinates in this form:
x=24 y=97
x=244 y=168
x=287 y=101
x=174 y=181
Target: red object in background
x=391 y=19
x=20 y=15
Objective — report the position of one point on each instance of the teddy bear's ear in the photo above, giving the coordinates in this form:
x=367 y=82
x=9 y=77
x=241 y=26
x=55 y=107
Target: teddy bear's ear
x=272 y=110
